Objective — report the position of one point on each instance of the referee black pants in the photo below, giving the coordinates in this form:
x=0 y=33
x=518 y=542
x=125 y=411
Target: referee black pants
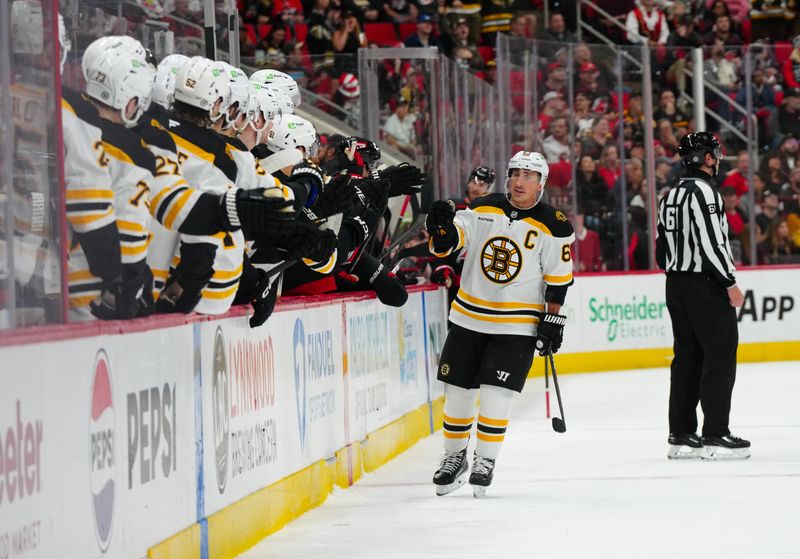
x=704 y=367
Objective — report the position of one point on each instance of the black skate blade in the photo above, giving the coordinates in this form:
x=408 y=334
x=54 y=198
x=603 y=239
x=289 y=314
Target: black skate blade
x=442 y=490
x=559 y=426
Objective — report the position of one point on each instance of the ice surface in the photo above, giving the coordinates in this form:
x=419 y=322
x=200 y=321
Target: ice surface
x=602 y=489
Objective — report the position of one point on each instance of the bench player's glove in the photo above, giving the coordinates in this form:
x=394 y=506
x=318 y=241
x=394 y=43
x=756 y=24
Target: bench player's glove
x=439 y=224
x=403 y=178
x=259 y=210
x=550 y=333
x=263 y=300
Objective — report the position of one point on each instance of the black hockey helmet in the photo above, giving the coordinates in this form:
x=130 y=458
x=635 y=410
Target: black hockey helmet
x=482 y=173
x=693 y=148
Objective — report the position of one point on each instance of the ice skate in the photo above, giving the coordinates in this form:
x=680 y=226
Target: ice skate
x=682 y=447
x=726 y=447
x=452 y=472
x=481 y=477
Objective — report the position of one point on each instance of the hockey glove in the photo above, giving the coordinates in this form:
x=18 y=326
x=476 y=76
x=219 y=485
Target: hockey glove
x=550 y=333
x=337 y=196
x=367 y=149
x=376 y=191
x=263 y=300
x=259 y=210
x=443 y=275
x=127 y=296
x=184 y=286
x=311 y=242
x=310 y=177
x=404 y=179
x=439 y=224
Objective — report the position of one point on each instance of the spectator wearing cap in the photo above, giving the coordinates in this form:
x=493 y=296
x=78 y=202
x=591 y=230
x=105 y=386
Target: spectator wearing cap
x=490 y=72
x=788 y=114
x=582 y=55
x=589 y=85
x=468 y=10
x=347 y=97
x=424 y=35
x=398 y=131
x=553 y=106
x=459 y=38
x=496 y=18
x=556 y=34
x=400 y=11
x=556 y=145
x=556 y=79
x=646 y=23
x=770 y=211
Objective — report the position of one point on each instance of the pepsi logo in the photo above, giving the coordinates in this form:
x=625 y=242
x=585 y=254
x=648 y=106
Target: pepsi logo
x=101 y=433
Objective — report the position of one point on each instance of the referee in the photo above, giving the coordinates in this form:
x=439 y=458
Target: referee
x=692 y=246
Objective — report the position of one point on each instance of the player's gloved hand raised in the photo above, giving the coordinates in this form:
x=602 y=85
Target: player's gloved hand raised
x=337 y=196
x=367 y=149
x=260 y=210
x=404 y=179
x=439 y=224
x=550 y=333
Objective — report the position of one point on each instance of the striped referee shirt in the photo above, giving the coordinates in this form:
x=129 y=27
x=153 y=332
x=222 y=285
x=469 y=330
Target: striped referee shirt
x=693 y=230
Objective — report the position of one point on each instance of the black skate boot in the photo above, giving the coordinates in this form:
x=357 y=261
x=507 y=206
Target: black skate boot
x=452 y=472
x=726 y=447
x=685 y=446
x=481 y=477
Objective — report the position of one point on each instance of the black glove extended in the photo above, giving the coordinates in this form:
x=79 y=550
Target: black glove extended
x=127 y=296
x=439 y=224
x=260 y=210
x=311 y=242
x=550 y=333
x=338 y=196
x=404 y=179
x=443 y=275
x=376 y=191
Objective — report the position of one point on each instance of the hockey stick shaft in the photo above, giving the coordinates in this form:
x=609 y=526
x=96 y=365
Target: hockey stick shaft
x=559 y=424
x=547 y=388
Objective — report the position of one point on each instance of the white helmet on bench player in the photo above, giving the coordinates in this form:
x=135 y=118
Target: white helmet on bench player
x=164 y=90
x=273 y=79
x=529 y=161
x=201 y=83
x=262 y=109
x=292 y=131
x=117 y=72
x=240 y=96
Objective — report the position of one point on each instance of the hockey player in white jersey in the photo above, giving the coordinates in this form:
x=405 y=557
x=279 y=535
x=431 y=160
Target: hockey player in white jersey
x=515 y=278
x=278 y=81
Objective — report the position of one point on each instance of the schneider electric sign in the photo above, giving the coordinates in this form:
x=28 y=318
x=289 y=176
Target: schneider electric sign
x=630 y=316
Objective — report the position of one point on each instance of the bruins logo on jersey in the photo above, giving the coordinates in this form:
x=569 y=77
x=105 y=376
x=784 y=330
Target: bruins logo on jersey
x=501 y=259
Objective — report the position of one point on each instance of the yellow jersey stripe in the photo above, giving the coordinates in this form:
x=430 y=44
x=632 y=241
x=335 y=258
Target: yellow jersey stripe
x=492 y=422
x=81 y=275
x=558 y=279
x=89 y=218
x=131 y=226
x=65 y=105
x=189 y=146
x=177 y=206
x=458 y=420
x=82 y=301
x=538 y=224
x=117 y=153
x=488 y=210
x=225 y=274
x=132 y=251
x=209 y=294
x=84 y=194
x=499 y=319
x=497 y=305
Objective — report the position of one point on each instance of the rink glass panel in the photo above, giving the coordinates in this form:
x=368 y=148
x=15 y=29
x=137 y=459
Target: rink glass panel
x=31 y=214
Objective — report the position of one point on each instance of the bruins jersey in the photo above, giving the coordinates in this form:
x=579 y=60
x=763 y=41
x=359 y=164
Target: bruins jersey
x=513 y=259
x=94 y=247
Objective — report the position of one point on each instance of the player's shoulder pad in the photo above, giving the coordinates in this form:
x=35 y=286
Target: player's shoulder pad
x=555 y=220
x=80 y=105
x=209 y=142
x=495 y=200
x=154 y=134
x=236 y=143
x=129 y=143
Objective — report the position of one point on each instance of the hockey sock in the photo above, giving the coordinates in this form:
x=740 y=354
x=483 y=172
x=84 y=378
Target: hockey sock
x=493 y=414
x=459 y=413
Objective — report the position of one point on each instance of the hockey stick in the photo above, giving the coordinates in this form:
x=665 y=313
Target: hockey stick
x=559 y=424
x=547 y=388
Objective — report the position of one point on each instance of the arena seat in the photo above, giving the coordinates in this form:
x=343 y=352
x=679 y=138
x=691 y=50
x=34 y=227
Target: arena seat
x=383 y=34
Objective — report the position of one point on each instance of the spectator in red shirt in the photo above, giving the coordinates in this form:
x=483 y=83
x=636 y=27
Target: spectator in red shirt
x=587 y=253
x=737 y=178
x=737 y=219
x=791 y=66
x=609 y=167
